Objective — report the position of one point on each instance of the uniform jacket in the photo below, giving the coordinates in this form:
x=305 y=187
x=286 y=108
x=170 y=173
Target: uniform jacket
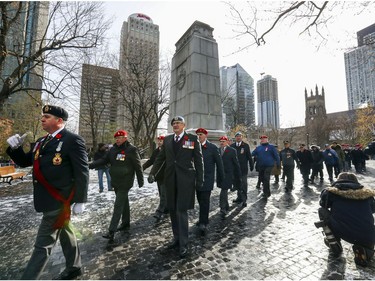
x=159 y=176
x=73 y=170
x=266 y=156
x=358 y=156
x=244 y=157
x=330 y=157
x=232 y=169
x=351 y=207
x=100 y=154
x=183 y=170
x=340 y=152
x=211 y=159
x=288 y=157
x=125 y=164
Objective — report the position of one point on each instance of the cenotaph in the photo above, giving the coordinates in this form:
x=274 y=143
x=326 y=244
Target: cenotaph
x=195 y=82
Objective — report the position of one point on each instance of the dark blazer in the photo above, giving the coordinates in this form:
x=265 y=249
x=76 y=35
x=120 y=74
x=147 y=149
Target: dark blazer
x=183 y=170
x=73 y=171
x=244 y=157
x=159 y=176
x=232 y=169
x=122 y=171
x=211 y=159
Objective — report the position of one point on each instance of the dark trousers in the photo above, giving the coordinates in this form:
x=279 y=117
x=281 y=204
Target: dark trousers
x=204 y=205
x=288 y=172
x=330 y=171
x=121 y=209
x=305 y=172
x=264 y=176
x=162 y=208
x=242 y=192
x=317 y=170
x=223 y=201
x=45 y=240
x=180 y=226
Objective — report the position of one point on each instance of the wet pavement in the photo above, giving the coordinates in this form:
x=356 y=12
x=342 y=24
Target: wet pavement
x=269 y=239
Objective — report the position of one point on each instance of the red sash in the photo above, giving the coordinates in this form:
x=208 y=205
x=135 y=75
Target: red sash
x=64 y=216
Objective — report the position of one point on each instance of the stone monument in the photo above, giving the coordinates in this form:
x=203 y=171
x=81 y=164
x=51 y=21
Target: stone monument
x=195 y=82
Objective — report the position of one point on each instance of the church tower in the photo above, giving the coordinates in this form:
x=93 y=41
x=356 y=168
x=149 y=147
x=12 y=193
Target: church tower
x=315 y=116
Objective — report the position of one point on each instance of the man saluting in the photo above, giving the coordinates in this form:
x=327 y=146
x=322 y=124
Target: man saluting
x=60 y=178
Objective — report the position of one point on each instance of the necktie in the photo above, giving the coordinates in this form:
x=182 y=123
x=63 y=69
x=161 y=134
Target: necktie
x=48 y=138
x=222 y=151
x=176 y=139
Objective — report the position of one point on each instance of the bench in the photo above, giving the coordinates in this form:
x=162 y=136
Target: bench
x=8 y=173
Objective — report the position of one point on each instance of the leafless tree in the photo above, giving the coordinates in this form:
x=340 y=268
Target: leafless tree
x=260 y=18
x=70 y=26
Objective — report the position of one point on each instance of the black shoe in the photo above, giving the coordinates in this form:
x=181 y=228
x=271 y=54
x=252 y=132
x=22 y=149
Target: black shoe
x=244 y=204
x=100 y=191
x=157 y=216
x=222 y=215
x=237 y=200
x=183 y=252
x=360 y=255
x=110 y=189
x=69 y=275
x=109 y=235
x=203 y=229
x=257 y=187
x=123 y=227
x=173 y=245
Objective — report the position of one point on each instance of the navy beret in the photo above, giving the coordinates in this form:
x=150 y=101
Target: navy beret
x=56 y=111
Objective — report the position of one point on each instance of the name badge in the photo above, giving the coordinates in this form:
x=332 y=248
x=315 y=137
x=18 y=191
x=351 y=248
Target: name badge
x=188 y=144
x=242 y=151
x=120 y=157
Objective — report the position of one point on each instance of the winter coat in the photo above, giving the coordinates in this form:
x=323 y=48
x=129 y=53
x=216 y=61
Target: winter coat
x=288 y=157
x=305 y=159
x=266 y=156
x=159 y=176
x=351 y=207
x=183 y=170
x=232 y=169
x=330 y=157
x=125 y=164
x=101 y=154
x=244 y=157
x=211 y=160
x=318 y=159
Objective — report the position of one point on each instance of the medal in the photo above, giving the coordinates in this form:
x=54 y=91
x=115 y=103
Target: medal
x=57 y=159
x=36 y=154
x=58 y=148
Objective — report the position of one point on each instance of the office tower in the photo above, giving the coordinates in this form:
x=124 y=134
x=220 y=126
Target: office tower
x=98 y=104
x=139 y=52
x=23 y=38
x=237 y=88
x=359 y=70
x=268 y=103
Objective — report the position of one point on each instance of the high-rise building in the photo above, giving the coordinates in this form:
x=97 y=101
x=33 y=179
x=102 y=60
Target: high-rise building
x=139 y=48
x=268 y=103
x=24 y=37
x=359 y=70
x=237 y=88
x=98 y=104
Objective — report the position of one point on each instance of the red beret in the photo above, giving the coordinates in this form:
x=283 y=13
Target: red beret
x=224 y=138
x=120 y=133
x=160 y=137
x=357 y=145
x=201 y=131
x=263 y=137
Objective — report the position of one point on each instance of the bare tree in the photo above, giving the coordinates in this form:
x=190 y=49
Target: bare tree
x=260 y=18
x=144 y=94
x=69 y=26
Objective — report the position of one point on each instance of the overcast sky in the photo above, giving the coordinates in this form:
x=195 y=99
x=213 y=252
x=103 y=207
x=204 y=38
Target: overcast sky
x=295 y=61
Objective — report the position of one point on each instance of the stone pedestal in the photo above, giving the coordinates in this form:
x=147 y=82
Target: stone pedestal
x=195 y=81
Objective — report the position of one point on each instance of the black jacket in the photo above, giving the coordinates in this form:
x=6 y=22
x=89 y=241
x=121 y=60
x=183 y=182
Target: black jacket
x=244 y=157
x=211 y=159
x=159 y=176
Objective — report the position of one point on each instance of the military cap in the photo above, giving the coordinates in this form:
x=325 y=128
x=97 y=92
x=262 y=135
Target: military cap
x=223 y=138
x=178 y=118
x=238 y=134
x=55 y=111
x=263 y=137
x=120 y=133
x=286 y=141
x=201 y=131
x=160 y=137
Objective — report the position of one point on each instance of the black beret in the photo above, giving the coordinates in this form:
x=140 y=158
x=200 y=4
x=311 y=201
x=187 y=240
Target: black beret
x=56 y=111
x=178 y=118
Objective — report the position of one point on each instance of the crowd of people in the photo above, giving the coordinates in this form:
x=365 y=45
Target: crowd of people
x=185 y=166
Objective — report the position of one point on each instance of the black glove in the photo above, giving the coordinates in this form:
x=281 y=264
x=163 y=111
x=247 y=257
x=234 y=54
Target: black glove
x=151 y=178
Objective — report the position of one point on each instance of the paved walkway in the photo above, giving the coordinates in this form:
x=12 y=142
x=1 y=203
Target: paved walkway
x=269 y=239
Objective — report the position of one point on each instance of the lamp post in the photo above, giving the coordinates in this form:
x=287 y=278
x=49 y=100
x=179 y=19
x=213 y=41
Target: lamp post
x=307 y=139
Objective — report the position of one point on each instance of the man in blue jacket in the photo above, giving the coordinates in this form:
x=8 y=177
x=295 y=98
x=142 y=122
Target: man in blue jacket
x=211 y=159
x=267 y=157
x=330 y=160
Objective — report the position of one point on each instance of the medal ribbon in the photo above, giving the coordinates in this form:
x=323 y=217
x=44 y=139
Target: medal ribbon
x=64 y=216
